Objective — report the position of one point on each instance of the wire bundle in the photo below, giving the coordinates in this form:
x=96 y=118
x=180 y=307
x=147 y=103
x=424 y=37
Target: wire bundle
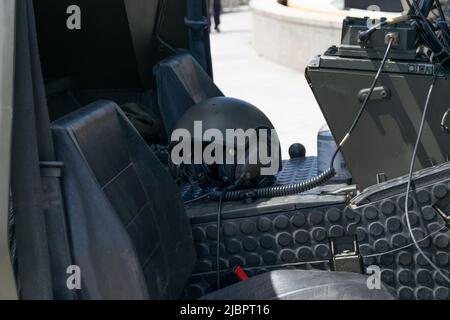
x=432 y=29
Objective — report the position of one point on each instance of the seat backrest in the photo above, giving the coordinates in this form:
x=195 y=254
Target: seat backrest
x=111 y=48
x=182 y=83
x=129 y=232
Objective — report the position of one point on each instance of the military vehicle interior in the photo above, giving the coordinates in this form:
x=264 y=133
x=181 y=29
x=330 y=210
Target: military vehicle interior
x=140 y=227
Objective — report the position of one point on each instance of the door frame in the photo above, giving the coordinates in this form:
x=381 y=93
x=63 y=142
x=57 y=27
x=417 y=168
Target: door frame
x=8 y=289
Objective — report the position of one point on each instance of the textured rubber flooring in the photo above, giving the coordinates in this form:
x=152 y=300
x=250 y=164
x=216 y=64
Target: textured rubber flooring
x=299 y=238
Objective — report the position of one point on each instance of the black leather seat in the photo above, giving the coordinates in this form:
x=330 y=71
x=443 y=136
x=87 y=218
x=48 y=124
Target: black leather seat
x=128 y=229
x=182 y=83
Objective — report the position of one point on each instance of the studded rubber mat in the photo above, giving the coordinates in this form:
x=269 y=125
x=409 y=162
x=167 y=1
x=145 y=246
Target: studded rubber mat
x=380 y=222
x=294 y=232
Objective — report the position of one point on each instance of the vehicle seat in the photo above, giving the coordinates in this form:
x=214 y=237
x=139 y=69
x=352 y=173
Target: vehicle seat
x=129 y=232
x=182 y=83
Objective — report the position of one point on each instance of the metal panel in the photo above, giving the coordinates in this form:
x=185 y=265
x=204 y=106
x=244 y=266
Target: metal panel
x=7 y=15
x=384 y=139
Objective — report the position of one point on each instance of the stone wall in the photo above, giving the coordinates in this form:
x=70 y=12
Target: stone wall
x=231 y=4
x=291 y=37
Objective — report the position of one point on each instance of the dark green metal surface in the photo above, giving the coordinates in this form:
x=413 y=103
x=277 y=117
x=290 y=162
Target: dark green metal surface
x=384 y=139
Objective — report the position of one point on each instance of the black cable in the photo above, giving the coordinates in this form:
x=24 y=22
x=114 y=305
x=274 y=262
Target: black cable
x=293 y=189
x=411 y=8
x=442 y=24
x=444 y=121
x=219 y=223
x=429 y=36
x=426 y=22
x=439 y=7
x=364 y=104
x=410 y=180
x=365 y=35
x=205 y=196
x=278 y=191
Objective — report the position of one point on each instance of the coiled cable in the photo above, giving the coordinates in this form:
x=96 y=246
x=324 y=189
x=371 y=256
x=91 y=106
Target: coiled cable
x=293 y=189
x=277 y=191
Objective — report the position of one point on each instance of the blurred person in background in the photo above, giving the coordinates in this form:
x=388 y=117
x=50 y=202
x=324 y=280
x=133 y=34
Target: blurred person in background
x=214 y=9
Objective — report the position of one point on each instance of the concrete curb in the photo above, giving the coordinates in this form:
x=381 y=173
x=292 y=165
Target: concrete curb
x=291 y=37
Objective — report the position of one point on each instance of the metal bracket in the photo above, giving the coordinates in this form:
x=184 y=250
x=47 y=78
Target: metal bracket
x=196 y=24
x=381 y=177
x=315 y=62
x=51 y=169
x=394 y=36
x=379 y=93
x=345 y=255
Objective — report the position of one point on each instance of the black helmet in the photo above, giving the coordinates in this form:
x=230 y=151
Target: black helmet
x=251 y=129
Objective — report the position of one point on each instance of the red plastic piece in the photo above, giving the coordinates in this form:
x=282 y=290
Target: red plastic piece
x=240 y=273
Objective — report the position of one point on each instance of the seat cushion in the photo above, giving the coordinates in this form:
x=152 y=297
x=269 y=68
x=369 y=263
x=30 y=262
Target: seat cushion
x=302 y=285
